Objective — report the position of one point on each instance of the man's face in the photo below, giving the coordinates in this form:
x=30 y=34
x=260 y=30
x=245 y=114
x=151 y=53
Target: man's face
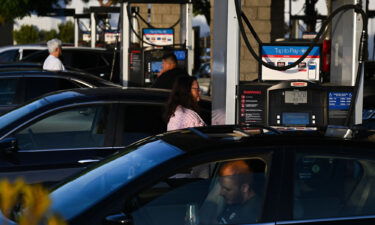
x=167 y=65
x=230 y=190
x=59 y=51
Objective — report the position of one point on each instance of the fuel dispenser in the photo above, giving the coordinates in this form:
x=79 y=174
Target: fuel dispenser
x=152 y=62
x=293 y=103
x=291 y=90
x=142 y=53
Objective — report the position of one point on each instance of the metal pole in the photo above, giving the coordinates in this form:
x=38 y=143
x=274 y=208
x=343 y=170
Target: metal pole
x=226 y=60
x=76 y=31
x=93 y=30
x=125 y=44
x=188 y=13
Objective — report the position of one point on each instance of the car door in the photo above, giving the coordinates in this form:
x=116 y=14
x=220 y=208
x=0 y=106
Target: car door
x=188 y=190
x=330 y=185
x=60 y=142
x=9 y=56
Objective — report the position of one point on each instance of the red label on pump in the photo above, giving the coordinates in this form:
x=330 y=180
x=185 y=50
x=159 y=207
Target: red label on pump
x=298 y=84
x=253 y=92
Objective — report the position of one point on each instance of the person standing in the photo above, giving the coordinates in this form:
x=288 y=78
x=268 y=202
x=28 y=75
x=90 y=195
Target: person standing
x=53 y=62
x=182 y=107
x=169 y=72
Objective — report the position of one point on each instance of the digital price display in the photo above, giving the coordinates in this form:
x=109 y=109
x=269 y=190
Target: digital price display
x=295 y=118
x=296 y=97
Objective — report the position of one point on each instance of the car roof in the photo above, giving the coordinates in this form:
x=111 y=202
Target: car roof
x=106 y=94
x=212 y=138
x=88 y=79
x=31 y=46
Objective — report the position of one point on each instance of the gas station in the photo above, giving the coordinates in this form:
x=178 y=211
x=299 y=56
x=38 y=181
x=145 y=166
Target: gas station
x=300 y=83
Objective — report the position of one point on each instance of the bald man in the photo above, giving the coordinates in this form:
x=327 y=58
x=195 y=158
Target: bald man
x=242 y=204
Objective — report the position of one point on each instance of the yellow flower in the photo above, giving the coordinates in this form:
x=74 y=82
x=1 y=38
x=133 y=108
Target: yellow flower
x=9 y=194
x=55 y=220
x=36 y=203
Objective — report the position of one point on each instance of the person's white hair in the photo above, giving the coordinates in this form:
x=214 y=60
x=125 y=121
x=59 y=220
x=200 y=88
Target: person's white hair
x=53 y=44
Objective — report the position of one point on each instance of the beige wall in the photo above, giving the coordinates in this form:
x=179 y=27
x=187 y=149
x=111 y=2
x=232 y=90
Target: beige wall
x=259 y=14
x=162 y=15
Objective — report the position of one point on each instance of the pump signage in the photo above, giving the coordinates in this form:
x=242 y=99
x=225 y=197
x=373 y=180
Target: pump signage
x=158 y=36
x=252 y=105
x=282 y=55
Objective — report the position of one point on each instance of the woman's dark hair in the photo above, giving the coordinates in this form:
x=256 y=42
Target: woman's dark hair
x=181 y=95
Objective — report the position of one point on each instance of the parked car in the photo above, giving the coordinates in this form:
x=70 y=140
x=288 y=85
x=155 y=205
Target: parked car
x=14 y=53
x=97 y=61
x=21 y=84
x=299 y=177
x=50 y=138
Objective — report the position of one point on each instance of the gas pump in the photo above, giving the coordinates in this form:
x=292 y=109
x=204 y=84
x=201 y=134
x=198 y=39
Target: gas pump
x=290 y=90
x=142 y=53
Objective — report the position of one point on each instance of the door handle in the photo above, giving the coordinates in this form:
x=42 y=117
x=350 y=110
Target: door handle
x=84 y=161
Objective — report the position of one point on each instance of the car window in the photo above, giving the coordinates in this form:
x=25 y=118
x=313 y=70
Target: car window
x=80 y=127
x=8 y=90
x=84 y=60
x=9 y=56
x=38 y=56
x=27 y=52
x=330 y=186
x=142 y=120
x=37 y=86
x=109 y=175
x=220 y=196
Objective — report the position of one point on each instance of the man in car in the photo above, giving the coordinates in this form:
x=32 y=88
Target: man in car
x=169 y=72
x=242 y=204
x=52 y=62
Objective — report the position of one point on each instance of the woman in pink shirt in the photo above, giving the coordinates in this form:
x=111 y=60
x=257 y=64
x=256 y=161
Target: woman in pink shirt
x=182 y=106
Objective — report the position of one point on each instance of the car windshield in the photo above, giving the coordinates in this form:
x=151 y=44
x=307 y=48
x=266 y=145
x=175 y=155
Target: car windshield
x=108 y=176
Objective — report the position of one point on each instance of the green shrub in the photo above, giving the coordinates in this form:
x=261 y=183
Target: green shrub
x=27 y=34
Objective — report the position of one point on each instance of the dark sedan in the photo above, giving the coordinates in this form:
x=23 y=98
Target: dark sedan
x=91 y=60
x=181 y=177
x=59 y=133
x=18 y=85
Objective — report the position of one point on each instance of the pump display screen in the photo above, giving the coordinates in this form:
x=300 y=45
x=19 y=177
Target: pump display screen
x=296 y=97
x=293 y=118
x=339 y=100
x=180 y=54
x=156 y=66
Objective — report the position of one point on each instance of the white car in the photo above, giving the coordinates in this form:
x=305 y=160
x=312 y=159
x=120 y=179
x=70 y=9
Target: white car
x=13 y=53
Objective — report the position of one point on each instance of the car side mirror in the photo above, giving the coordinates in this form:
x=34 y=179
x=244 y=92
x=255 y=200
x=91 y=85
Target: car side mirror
x=9 y=145
x=119 y=219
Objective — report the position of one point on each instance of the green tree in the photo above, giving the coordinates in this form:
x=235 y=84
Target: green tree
x=66 y=32
x=45 y=35
x=27 y=34
x=12 y=9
